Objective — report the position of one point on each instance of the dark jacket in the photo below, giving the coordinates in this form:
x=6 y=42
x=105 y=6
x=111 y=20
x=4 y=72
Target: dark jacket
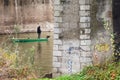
x=38 y=29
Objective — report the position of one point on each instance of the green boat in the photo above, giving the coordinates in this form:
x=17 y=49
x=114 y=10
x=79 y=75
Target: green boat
x=30 y=40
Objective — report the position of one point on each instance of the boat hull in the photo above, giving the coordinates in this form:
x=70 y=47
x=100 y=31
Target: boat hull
x=30 y=40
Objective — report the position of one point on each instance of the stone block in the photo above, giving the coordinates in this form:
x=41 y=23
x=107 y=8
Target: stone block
x=84 y=7
x=84 y=13
x=56 y=36
x=56 y=25
x=84 y=36
x=57 y=53
x=86 y=54
x=58 y=8
x=85 y=42
x=56 y=42
x=60 y=47
x=57 y=64
x=55 y=59
x=84 y=1
x=86 y=48
x=55 y=47
x=59 y=59
x=57 y=30
x=87 y=31
x=84 y=25
x=84 y=19
x=85 y=59
x=56 y=13
x=56 y=2
x=58 y=19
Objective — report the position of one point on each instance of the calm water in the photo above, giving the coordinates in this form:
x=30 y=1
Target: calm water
x=37 y=53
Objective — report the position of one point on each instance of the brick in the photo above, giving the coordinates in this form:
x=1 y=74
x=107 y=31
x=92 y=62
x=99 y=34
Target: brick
x=60 y=47
x=56 y=25
x=84 y=13
x=56 y=36
x=59 y=59
x=87 y=31
x=84 y=25
x=84 y=19
x=55 y=59
x=57 y=30
x=57 y=53
x=86 y=54
x=84 y=36
x=56 y=2
x=85 y=42
x=55 y=47
x=84 y=1
x=58 y=8
x=58 y=19
x=84 y=59
x=57 y=42
x=56 y=64
x=84 y=7
x=85 y=48
x=56 y=13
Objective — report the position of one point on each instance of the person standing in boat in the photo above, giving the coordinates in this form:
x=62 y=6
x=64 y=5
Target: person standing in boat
x=39 y=31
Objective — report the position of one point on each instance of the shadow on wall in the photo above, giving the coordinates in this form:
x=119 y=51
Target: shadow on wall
x=101 y=45
x=71 y=33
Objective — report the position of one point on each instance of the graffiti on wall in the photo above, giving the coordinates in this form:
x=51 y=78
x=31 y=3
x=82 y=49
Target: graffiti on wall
x=71 y=57
x=102 y=47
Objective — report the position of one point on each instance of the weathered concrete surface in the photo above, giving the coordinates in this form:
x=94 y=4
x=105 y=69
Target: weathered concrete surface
x=102 y=30
x=72 y=42
x=82 y=34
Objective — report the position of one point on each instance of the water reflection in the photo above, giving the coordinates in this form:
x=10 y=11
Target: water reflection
x=37 y=53
x=39 y=50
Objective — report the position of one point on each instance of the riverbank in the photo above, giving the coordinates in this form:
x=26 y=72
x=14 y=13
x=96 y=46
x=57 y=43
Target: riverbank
x=108 y=71
x=24 y=61
x=26 y=28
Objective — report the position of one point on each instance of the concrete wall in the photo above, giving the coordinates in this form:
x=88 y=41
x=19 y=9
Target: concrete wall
x=101 y=31
x=82 y=34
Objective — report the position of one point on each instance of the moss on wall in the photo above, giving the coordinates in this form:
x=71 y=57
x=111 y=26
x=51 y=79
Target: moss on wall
x=95 y=24
x=101 y=31
x=70 y=15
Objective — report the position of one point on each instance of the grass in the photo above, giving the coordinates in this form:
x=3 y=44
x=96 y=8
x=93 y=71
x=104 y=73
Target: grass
x=108 y=71
x=9 y=70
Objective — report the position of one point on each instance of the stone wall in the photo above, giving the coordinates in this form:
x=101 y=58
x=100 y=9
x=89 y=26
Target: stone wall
x=82 y=34
x=72 y=40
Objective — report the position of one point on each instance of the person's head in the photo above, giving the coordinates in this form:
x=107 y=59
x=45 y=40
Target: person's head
x=38 y=26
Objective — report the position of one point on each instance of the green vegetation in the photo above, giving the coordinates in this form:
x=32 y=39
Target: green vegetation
x=10 y=68
x=108 y=71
